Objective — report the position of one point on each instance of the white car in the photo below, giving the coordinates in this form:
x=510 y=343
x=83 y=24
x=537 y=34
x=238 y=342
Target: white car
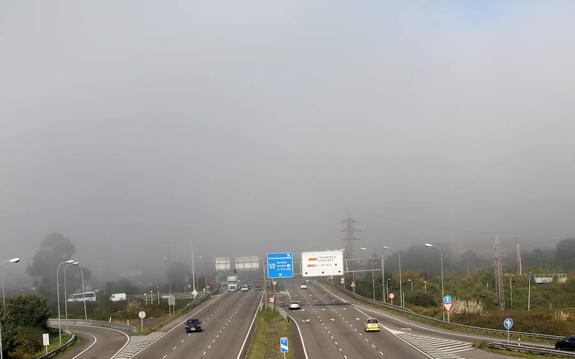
x=244 y=288
x=294 y=305
x=303 y=286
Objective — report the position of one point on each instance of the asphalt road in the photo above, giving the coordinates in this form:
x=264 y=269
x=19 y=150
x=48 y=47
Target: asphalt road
x=95 y=342
x=225 y=324
x=335 y=329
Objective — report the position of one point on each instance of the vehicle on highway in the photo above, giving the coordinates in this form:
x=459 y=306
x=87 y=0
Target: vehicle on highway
x=232 y=283
x=244 y=288
x=568 y=343
x=118 y=297
x=294 y=305
x=193 y=325
x=303 y=285
x=82 y=297
x=371 y=325
x=257 y=288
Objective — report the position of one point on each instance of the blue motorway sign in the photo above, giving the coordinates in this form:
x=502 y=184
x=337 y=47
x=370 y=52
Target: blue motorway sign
x=508 y=323
x=284 y=344
x=447 y=299
x=280 y=265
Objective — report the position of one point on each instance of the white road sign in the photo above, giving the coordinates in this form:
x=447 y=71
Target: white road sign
x=222 y=264
x=322 y=264
x=46 y=339
x=142 y=314
x=247 y=263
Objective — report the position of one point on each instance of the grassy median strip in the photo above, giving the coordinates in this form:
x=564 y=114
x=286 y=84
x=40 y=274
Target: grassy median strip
x=269 y=327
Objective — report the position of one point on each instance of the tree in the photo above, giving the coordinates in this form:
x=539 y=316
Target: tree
x=28 y=311
x=54 y=249
x=565 y=252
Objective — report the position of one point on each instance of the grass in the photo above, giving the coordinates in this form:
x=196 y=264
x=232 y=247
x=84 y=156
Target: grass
x=269 y=327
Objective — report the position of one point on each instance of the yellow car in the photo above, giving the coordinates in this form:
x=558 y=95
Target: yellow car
x=371 y=325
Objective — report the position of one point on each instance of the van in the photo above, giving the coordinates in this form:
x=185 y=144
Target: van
x=118 y=297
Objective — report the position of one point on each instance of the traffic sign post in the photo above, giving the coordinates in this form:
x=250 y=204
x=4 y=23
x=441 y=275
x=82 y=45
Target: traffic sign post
x=342 y=281
x=508 y=324
x=142 y=315
x=280 y=265
x=353 y=287
x=391 y=296
x=284 y=348
x=447 y=304
x=46 y=341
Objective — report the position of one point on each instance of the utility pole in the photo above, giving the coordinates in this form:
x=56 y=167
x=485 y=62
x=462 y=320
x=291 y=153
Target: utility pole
x=519 y=264
x=499 y=273
x=349 y=230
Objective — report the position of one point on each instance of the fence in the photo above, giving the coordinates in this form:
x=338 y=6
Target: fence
x=535 y=349
x=53 y=322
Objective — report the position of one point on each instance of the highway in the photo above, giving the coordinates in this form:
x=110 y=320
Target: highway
x=225 y=323
x=95 y=342
x=335 y=330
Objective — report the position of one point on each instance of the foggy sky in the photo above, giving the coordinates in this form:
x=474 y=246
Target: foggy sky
x=134 y=126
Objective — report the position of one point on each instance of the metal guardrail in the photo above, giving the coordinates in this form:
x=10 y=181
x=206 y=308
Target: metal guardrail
x=535 y=349
x=53 y=322
x=61 y=348
x=453 y=325
x=199 y=299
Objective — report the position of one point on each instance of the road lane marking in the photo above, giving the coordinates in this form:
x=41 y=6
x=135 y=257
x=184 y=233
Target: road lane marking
x=88 y=348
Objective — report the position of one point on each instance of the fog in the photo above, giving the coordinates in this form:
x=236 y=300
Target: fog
x=133 y=127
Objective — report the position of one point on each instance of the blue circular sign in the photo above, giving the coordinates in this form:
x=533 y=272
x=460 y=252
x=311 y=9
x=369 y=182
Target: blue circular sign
x=447 y=299
x=508 y=323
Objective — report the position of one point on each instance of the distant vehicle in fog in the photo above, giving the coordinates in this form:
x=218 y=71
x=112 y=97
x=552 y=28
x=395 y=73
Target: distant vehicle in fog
x=245 y=288
x=118 y=297
x=83 y=297
x=233 y=283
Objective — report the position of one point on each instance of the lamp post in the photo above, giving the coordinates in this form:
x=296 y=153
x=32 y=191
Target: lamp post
x=83 y=288
x=12 y=260
x=69 y=261
x=529 y=294
x=385 y=246
x=411 y=283
x=372 y=276
x=66 y=288
x=193 y=265
x=429 y=245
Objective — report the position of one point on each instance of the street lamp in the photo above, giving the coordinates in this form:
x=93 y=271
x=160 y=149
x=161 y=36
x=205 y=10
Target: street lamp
x=411 y=283
x=385 y=246
x=83 y=288
x=66 y=288
x=12 y=260
x=529 y=294
x=429 y=245
x=372 y=276
x=69 y=261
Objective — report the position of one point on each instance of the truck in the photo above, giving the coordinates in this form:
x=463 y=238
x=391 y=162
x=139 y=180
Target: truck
x=233 y=283
x=118 y=297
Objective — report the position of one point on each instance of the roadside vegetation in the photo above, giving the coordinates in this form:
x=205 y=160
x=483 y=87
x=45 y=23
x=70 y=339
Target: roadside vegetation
x=470 y=280
x=269 y=327
x=23 y=323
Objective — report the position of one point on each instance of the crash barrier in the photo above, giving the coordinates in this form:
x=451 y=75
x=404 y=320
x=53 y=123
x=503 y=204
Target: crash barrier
x=61 y=348
x=199 y=299
x=534 y=349
x=450 y=325
x=53 y=323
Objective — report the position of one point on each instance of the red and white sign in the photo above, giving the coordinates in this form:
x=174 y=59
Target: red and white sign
x=272 y=300
x=447 y=306
x=322 y=263
x=391 y=295
x=353 y=284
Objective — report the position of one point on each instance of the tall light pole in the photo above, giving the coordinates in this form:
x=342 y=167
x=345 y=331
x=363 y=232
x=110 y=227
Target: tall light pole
x=12 y=260
x=83 y=288
x=529 y=294
x=372 y=276
x=429 y=245
x=69 y=261
x=66 y=289
x=193 y=265
x=411 y=283
x=385 y=246
x=383 y=292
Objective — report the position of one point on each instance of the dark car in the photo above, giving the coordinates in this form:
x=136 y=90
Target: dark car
x=193 y=325
x=566 y=344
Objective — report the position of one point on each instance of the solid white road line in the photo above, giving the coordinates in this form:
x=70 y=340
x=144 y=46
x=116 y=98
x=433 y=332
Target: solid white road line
x=250 y=328
x=88 y=348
